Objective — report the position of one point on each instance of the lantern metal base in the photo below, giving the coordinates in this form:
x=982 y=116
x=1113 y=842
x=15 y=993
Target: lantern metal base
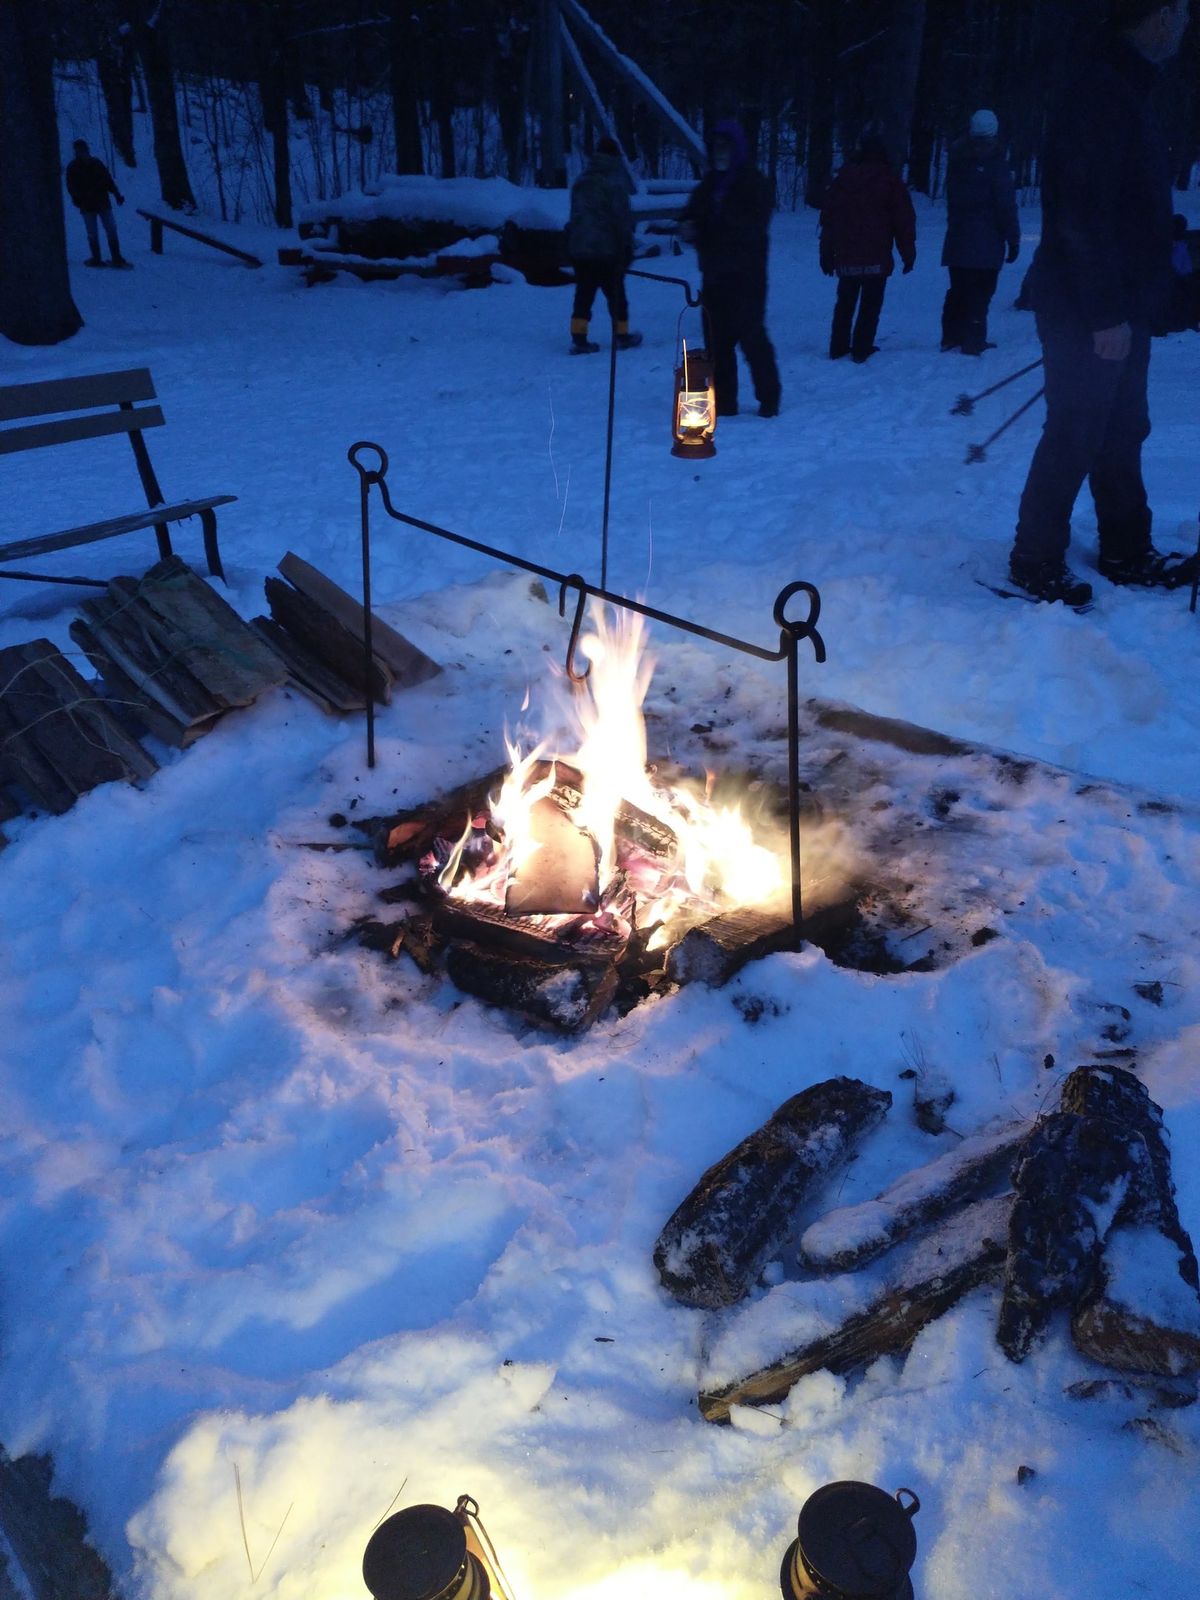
x=811 y=1591
x=700 y=450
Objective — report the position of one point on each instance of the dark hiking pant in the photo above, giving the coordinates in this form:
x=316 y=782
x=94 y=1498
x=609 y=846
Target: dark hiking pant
x=90 y=221
x=1097 y=419
x=735 y=312
x=865 y=295
x=599 y=273
x=965 y=310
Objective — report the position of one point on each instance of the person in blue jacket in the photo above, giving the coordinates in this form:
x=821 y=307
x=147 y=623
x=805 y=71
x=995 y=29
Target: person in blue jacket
x=982 y=232
x=1099 y=276
x=600 y=245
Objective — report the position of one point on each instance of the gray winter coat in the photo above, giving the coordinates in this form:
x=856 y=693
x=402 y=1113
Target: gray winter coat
x=601 y=225
x=981 y=207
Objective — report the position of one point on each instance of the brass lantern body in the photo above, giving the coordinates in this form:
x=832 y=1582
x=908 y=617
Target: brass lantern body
x=695 y=417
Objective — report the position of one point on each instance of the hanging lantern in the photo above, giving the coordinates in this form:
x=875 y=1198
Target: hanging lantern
x=429 y=1553
x=854 y=1542
x=695 y=419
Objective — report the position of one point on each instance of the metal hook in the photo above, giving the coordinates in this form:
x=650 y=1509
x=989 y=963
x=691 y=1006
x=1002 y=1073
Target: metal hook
x=372 y=475
x=574 y=581
x=805 y=628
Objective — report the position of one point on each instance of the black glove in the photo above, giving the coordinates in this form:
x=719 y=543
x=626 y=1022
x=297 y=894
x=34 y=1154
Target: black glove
x=120 y=199
x=1014 y=250
x=908 y=266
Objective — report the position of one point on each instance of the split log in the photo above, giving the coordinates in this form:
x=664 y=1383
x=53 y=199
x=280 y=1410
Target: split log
x=565 y=996
x=713 y=951
x=325 y=637
x=309 y=674
x=1170 y=1393
x=1101 y=1162
x=413 y=936
x=850 y=1237
x=405 y=662
x=967 y=1252
x=406 y=835
x=745 y=1204
x=48 y=1534
x=58 y=740
x=559 y=877
x=138 y=669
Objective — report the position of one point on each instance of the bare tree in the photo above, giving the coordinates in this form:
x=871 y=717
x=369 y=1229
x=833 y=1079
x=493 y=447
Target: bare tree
x=149 y=23
x=35 y=290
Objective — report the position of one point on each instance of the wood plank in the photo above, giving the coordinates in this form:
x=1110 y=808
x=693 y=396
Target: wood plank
x=196 y=626
x=37 y=435
x=112 y=528
x=407 y=664
x=62 y=678
x=49 y=396
x=125 y=691
x=321 y=632
x=201 y=238
x=118 y=632
x=308 y=674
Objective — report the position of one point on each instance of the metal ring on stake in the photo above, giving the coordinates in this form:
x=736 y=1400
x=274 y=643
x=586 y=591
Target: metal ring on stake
x=378 y=473
x=800 y=629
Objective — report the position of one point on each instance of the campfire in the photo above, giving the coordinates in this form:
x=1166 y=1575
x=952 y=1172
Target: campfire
x=581 y=874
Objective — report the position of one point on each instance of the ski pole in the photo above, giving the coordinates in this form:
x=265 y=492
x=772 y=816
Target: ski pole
x=978 y=452
x=965 y=404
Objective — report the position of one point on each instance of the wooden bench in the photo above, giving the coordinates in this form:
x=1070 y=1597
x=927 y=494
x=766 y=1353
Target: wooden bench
x=158 y=223
x=122 y=391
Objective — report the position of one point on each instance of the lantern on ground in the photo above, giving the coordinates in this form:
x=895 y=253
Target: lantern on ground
x=429 y=1553
x=695 y=419
x=854 y=1542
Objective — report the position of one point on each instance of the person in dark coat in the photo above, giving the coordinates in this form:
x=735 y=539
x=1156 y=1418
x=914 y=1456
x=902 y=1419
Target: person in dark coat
x=727 y=218
x=89 y=183
x=982 y=232
x=1097 y=280
x=600 y=245
x=867 y=211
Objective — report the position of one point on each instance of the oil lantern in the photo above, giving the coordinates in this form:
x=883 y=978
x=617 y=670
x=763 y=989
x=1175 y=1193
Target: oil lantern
x=429 y=1553
x=695 y=419
x=854 y=1542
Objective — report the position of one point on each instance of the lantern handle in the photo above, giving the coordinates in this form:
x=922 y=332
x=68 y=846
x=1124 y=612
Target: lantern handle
x=912 y=1509
x=574 y=581
x=801 y=628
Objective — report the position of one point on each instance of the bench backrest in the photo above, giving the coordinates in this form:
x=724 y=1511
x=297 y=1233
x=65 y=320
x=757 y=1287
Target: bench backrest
x=19 y=401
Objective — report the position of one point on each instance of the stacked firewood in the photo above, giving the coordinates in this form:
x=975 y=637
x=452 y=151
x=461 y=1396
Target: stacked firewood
x=1076 y=1214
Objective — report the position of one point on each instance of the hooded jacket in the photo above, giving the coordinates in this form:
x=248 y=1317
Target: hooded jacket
x=1105 y=252
x=601 y=225
x=867 y=209
x=89 y=183
x=981 y=206
x=731 y=213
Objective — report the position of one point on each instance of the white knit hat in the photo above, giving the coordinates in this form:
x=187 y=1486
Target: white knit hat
x=985 y=124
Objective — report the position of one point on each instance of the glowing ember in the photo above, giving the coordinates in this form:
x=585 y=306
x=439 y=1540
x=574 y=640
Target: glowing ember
x=663 y=856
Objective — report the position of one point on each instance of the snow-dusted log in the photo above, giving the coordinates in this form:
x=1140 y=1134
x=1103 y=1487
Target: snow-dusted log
x=843 y=1240
x=966 y=1252
x=568 y=996
x=745 y=1204
x=713 y=951
x=1100 y=1163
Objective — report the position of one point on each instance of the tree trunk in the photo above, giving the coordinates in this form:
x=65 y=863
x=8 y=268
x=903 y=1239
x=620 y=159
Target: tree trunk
x=552 y=167
x=114 y=63
x=406 y=112
x=819 y=153
x=151 y=39
x=275 y=25
x=898 y=95
x=35 y=291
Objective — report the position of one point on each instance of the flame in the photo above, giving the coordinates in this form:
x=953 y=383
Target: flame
x=716 y=861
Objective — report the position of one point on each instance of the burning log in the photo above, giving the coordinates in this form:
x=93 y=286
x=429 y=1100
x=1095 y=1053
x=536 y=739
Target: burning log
x=743 y=1206
x=967 y=1252
x=713 y=951
x=1099 y=1164
x=846 y=1239
x=567 y=996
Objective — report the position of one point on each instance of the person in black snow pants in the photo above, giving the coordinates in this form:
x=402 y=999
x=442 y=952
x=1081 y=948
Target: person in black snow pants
x=600 y=244
x=727 y=217
x=982 y=232
x=89 y=183
x=867 y=212
x=1098 y=280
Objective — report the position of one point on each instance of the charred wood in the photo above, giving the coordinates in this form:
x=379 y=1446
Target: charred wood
x=746 y=1203
x=565 y=996
x=713 y=951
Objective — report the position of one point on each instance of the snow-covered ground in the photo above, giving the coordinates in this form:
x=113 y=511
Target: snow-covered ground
x=276 y=1212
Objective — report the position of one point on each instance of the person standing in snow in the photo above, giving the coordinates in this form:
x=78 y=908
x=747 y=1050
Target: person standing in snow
x=600 y=245
x=867 y=210
x=89 y=183
x=982 y=232
x=727 y=218
x=1099 y=276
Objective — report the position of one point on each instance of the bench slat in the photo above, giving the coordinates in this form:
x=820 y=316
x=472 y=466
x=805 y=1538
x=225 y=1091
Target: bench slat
x=97 y=426
x=115 y=526
x=74 y=394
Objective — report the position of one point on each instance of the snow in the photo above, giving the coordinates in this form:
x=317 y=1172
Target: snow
x=275 y=1207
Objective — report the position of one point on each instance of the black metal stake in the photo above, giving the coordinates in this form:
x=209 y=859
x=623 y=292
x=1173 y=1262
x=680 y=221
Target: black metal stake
x=365 y=481
x=612 y=399
x=791 y=631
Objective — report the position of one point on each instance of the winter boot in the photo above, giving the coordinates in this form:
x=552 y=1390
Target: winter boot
x=581 y=345
x=628 y=341
x=1152 y=569
x=94 y=261
x=1049 y=580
